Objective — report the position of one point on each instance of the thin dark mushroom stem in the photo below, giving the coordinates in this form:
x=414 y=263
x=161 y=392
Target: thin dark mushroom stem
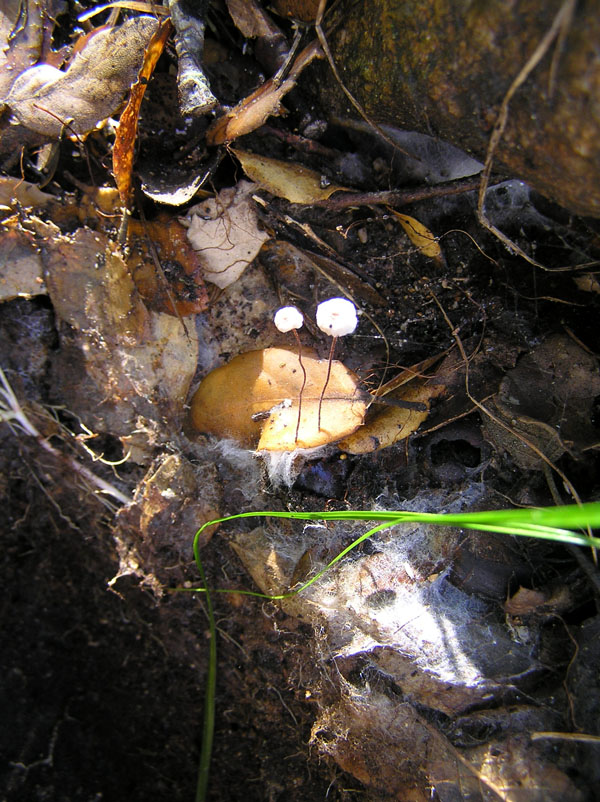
x=296 y=335
x=331 y=350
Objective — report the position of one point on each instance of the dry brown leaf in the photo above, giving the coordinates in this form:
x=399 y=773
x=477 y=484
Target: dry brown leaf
x=253 y=22
x=43 y=98
x=123 y=150
x=587 y=282
x=89 y=284
x=254 y=399
x=293 y=267
x=305 y=10
x=181 y=280
x=287 y=180
x=546 y=401
x=250 y=19
x=420 y=236
x=20 y=44
x=120 y=364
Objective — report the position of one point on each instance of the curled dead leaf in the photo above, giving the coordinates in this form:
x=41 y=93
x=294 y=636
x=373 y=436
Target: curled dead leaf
x=254 y=400
x=254 y=110
x=123 y=151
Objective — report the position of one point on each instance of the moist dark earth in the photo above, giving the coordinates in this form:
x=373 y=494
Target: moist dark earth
x=102 y=678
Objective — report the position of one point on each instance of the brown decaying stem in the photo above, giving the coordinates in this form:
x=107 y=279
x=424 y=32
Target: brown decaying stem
x=303 y=384
x=333 y=342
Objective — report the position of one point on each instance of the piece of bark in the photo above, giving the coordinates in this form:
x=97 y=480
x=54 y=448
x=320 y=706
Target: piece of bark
x=445 y=69
x=195 y=95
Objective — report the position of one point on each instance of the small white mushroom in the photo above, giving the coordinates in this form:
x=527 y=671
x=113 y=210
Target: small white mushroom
x=290 y=318
x=336 y=317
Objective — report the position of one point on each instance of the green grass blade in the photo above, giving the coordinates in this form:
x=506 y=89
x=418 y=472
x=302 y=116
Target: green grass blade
x=549 y=522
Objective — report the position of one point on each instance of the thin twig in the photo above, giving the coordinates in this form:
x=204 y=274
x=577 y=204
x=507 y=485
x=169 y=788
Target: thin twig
x=398 y=197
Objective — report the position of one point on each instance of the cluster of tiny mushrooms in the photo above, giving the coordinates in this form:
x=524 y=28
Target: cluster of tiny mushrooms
x=335 y=317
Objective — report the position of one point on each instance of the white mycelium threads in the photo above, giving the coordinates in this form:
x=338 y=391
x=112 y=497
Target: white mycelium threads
x=289 y=318
x=336 y=317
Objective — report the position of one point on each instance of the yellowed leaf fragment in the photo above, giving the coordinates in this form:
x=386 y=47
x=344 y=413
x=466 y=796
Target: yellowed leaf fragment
x=287 y=180
x=255 y=399
x=393 y=423
x=420 y=236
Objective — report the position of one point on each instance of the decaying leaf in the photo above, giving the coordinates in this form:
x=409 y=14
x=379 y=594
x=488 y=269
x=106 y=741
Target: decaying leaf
x=20 y=266
x=292 y=268
x=587 y=282
x=15 y=191
x=123 y=367
x=305 y=10
x=254 y=400
x=389 y=425
x=547 y=400
x=123 y=150
x=287 y=180
x=174 y=494
x=224 y=230
x=253 y=22
x=43 y=98
x=20 y=44
x=89 y=284
x=165 y=268
x=420 y=236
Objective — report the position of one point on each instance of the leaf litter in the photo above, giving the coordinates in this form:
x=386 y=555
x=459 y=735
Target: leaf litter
x=126 y=369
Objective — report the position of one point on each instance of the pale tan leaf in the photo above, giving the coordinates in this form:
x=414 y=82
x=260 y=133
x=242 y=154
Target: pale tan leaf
x=224 y=231
x=287 y=180
x=15 y=191
x=587 y=282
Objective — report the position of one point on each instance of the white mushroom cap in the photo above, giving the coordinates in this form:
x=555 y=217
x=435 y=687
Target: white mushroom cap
x=337 y=317
x=288 y=318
